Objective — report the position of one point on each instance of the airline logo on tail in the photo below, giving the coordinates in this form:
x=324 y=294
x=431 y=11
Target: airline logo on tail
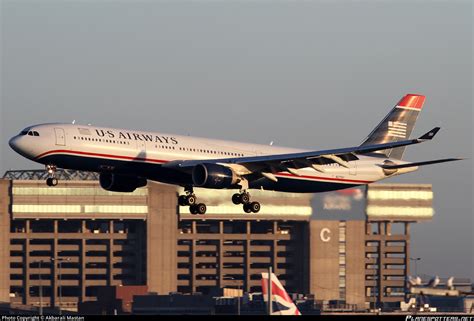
x=281 y=301
x=397 y=125
x=397 y=129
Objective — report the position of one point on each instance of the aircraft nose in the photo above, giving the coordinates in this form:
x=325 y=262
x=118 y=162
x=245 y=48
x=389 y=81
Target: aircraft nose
x=13 y=142
x=20 y=145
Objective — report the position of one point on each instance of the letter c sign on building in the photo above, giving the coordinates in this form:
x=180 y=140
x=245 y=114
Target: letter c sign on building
x=324 y=234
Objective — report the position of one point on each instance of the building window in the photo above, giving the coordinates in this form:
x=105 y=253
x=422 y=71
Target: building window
x=342 y=260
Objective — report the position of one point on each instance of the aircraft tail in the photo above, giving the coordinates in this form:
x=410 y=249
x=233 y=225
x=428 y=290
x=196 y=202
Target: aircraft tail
x=281 y=301
x=397 y=125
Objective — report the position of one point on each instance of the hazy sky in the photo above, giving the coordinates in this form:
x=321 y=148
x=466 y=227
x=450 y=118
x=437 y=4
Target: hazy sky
x=305 y=74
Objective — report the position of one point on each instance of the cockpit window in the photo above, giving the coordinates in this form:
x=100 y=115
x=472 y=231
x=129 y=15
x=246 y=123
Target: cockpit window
x=29 y=133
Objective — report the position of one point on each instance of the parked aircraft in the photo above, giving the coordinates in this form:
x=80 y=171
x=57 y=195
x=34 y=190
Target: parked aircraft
x=282 y=304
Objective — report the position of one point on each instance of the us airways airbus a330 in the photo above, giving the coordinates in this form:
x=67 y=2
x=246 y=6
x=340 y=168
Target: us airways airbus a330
x=126 y=159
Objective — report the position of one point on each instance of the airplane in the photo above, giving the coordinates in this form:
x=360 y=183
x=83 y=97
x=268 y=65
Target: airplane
x=126 y=159
x=281 y=301
x=434 y=282
x=433 y=287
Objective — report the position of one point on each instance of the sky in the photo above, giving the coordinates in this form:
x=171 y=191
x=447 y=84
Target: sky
x=306 y=74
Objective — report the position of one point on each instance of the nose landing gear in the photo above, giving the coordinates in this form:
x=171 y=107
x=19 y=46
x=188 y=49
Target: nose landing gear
x=244 y=198
x=51 y=180
x=191 y=200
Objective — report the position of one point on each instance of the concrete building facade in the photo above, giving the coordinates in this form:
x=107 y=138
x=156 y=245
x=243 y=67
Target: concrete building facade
x=61 y=244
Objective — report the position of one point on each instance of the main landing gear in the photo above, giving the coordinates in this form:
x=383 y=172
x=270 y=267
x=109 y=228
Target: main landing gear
x=51 y=180
x=190 y=200
x=244 y=198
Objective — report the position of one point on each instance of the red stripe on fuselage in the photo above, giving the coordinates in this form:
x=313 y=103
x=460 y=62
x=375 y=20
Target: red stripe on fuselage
x=325 y=178
x=101 y=155
x=159 y=161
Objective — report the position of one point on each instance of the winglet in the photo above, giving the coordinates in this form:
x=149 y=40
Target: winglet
x=431 y=134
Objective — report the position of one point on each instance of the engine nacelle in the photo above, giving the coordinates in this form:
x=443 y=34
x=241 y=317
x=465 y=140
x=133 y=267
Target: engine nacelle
x=120 y=183
x=214 y=176
x=388 y=171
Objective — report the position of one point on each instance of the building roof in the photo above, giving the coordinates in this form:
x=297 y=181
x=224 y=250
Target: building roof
x=399 y=202
x=392 y=202
x=41 y=174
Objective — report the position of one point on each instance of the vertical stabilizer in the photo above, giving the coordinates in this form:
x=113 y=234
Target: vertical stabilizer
x=281 y=301
x=397 y=125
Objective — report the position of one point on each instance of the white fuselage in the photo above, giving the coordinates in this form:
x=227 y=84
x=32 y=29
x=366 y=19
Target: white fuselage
x=143 y=154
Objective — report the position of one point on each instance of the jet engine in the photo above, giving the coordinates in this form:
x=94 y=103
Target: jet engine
x=387 y=171
x=214 y=176
x=120 y=183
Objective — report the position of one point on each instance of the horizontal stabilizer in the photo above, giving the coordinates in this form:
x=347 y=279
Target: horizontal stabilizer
x=437 y=161
x=431 y=134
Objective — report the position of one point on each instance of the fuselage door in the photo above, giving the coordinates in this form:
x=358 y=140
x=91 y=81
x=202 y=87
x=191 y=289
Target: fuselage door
x=60 y=137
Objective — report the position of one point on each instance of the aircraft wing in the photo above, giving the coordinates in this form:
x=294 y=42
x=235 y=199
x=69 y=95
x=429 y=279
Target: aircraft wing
x=266 y=164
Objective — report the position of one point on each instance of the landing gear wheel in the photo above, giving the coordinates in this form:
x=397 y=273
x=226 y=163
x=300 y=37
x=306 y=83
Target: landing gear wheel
x=236 y=199
x=254 y=207
x=193 y=209
x=182 y=200
x=201 y=208
x=191 y=199
x=54 y=181
x=247 y=208
x=51 y=181
x=245 y=198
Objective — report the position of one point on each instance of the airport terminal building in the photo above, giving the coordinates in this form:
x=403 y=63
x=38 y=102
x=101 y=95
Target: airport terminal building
x=67 y=241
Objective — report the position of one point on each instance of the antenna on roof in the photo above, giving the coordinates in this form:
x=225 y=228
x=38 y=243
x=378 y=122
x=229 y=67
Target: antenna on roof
x=271 y=143
x=74 y=121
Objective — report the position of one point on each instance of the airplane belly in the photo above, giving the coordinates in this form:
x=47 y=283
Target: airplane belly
x=150 y=171
x=294 y=185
